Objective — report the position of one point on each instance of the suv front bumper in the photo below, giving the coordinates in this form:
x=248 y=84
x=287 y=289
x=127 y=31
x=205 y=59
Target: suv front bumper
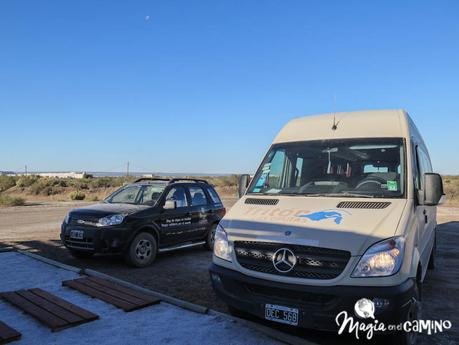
x=318 y=305
x=112 y=239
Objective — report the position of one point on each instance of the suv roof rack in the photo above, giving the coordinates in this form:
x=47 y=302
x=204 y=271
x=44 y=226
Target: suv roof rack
x=170 y=180
x=151 y=179
x=187 y=179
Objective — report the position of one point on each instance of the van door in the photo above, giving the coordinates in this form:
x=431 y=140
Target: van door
x=175 y=223
x=426 y=215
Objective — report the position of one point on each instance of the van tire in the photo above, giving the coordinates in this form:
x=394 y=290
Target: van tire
x=431 y=264
x=210 y=239
x=413 y=313
x=142 y=250
x=80 y=254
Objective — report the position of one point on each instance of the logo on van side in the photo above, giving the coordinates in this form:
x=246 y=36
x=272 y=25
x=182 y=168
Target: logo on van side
x=337 y=216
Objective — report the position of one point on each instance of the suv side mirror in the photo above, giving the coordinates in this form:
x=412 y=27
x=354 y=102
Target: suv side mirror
x=244 y=181
x=170 y=205
x=433 y=190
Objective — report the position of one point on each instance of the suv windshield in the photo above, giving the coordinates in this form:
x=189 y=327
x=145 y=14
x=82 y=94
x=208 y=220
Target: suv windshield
x=345 y=167
x=137 y=194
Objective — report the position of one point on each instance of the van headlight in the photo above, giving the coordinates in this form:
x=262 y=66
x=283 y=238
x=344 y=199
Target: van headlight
x=381 y=259
x=67 y=218
x=222 y=247
x=115 y=219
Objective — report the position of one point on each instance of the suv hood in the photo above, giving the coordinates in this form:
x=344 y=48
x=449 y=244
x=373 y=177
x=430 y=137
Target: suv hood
x=314 y=221
x=106 y=209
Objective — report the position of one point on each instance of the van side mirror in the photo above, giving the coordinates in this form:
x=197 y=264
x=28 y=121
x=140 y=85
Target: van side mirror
x=244 y=181
x=433 y=190
x=170 y=205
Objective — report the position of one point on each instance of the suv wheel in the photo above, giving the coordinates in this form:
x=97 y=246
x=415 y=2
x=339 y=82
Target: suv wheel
x=210 y=240
x=142 y=250
x=80 y=254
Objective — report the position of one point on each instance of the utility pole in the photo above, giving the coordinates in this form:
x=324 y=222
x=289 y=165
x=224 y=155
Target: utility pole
x=127 y=169
x=25 y=170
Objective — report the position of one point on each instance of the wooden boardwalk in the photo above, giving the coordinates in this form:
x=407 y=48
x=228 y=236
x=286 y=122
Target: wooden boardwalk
x=52 y=311
x=115 y=294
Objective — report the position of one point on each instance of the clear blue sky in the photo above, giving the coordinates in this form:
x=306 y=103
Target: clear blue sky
x=203 y=86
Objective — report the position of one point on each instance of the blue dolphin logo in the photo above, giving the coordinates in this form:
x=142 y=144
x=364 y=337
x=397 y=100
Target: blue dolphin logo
x=318 y=216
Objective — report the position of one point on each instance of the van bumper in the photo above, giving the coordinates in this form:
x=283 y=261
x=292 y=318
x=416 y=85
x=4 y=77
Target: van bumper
x=318 y=306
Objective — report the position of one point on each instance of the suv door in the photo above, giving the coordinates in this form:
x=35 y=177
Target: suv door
x=200 y=209
x=175 y=223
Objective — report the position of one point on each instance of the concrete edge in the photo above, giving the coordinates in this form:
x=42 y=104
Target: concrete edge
x=172 y=300
x=6 y=249
x=270 y=332
x=51 y=262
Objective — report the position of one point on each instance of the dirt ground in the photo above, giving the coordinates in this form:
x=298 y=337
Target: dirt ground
x=184 y=274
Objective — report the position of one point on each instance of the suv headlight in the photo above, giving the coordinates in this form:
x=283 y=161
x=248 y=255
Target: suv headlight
x=222 y=247
x=381 y=259
x=115 y=219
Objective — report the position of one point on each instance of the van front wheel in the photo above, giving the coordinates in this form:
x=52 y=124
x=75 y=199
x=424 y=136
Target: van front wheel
x=414 y=313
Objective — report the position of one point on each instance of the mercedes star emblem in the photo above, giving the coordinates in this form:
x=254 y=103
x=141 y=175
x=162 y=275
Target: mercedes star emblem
x=284 y=260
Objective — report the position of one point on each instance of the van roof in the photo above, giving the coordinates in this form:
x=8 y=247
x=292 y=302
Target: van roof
x=355 y=124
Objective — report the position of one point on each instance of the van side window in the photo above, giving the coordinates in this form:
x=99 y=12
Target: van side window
x=424 y=166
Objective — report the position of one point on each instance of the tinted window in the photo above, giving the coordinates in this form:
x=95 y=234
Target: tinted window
x=178 y=195
x=214 y=196
x=197 y=196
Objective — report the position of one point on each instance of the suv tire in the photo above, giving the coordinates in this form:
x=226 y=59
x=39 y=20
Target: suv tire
x=142 y=250
x=210 y=240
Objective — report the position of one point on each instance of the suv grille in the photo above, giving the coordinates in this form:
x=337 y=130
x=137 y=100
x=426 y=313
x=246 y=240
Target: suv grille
x=311 y=262
x=88 y=220
x=363 y=204
x=255 y=201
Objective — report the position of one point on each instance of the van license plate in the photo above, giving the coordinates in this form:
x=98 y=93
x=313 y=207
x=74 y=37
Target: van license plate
x=281 y=314
x=77 y=234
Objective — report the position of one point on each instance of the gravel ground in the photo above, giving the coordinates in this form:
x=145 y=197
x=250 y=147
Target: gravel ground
x=183 y=274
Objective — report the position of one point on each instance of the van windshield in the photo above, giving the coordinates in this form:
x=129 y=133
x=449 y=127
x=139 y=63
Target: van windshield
x=346 y=167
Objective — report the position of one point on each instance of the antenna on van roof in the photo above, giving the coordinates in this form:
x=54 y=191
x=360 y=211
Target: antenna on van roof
x=335 y=124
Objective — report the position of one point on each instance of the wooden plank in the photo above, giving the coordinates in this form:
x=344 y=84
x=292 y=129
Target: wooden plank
x=8 y=334
x=111 y=292
x=83 y=313
x=51 y=307
x=126 y=306
x=50 y=320
x=126 y=290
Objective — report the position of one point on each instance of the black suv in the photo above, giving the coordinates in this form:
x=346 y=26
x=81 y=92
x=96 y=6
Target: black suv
x=146 y=217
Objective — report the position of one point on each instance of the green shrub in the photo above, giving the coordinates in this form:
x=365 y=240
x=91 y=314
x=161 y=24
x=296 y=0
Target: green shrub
x=77 y=195
x=27 y=181
x=6 y=182
x=6 y=200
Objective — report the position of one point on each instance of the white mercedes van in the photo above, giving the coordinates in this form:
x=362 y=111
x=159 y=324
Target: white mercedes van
x=342 y=207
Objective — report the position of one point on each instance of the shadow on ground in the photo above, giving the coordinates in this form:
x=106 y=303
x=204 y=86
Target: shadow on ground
x=184 y=274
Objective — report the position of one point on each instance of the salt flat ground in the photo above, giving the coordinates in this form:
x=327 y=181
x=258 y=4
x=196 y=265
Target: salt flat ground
x=184 y=274
x=158 y=324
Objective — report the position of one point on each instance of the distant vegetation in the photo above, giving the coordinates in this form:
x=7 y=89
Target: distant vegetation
x=34 y=187
x=14 y=189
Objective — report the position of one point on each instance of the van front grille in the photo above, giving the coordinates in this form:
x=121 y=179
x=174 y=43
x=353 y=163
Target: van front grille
x=364 y=204
x=255 y=201
x=311 y=262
